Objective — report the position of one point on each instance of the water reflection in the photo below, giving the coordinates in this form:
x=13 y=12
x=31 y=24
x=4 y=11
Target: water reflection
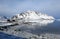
x=6 y=36
x=45 y=26
x=43 y=22
x=31 y=29
x=34 y=25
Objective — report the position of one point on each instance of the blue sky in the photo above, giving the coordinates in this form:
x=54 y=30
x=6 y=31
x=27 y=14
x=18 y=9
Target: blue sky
x=51 y=7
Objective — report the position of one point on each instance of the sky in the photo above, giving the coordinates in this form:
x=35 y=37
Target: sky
x=12 y=7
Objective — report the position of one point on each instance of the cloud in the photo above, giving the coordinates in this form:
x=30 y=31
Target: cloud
x=16 y=6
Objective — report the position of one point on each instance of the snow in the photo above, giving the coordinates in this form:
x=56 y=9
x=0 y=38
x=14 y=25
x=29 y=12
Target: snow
x=6 y=24
x=30 y=21
x=29 y=16
x=3 y=19
x=34 y=20
x=32 y=15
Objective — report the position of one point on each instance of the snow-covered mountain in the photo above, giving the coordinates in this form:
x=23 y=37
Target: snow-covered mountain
x=3 y=19
x=32 y=15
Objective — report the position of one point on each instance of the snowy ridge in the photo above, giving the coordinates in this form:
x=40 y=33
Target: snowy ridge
x=3 y=19
x=28 y=17
x=32 y=15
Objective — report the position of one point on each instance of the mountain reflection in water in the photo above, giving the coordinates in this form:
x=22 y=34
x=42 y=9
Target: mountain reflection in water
x=29 y=29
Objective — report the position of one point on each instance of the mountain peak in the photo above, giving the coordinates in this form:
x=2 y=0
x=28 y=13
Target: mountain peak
x=32 y=15
x=29 y=11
